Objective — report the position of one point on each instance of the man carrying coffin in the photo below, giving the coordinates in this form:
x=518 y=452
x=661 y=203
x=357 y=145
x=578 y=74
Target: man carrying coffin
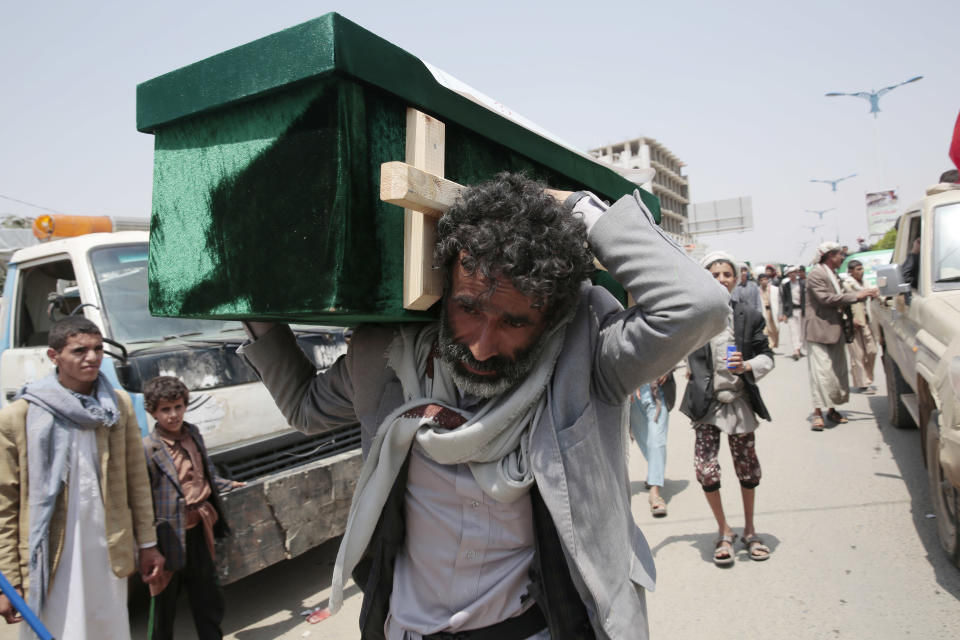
x=493 y=501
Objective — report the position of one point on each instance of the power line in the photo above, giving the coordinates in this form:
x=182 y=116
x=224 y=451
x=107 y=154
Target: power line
x=30 y=204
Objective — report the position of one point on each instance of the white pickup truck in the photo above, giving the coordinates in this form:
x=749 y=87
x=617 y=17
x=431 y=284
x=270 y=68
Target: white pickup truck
x=298 y=487
x=917 y=320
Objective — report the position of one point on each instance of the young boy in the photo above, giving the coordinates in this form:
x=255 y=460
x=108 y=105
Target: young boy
x=188 y=513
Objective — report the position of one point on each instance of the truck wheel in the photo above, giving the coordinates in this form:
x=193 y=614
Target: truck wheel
x=896 y=386
x=945 y=497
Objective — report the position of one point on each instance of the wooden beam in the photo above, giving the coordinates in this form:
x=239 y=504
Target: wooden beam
x=422 y=284
x=411 y=188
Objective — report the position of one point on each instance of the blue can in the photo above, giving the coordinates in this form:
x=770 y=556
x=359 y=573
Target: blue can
x=731 y=349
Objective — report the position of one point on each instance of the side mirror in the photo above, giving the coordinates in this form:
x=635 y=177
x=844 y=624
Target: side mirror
x=889 y=281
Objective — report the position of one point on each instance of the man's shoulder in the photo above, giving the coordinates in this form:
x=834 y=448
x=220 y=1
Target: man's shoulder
x=194 y=432
x=372 y=340
x=14 y=415
x=817 y=275
x=125 y=404
x=376 y=332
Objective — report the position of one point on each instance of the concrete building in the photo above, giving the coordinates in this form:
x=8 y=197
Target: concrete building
x=670 y=185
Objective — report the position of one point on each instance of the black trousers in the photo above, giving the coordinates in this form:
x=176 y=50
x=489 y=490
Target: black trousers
x=204 y=594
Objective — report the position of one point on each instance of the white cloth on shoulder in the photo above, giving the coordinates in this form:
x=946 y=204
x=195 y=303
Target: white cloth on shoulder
x=493 y=441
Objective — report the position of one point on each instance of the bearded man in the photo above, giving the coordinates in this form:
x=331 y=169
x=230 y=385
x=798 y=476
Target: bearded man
x=823 y=327
x=494 y=501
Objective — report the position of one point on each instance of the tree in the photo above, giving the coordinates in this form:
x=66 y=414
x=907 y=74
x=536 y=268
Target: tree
x=888 y=241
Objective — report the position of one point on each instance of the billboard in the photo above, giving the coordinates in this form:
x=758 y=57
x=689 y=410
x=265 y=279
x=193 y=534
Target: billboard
x=718 y=216
x=882 y=210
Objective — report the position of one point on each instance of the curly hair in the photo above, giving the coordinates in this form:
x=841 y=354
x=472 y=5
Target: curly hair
x=164 y=388
x=510 y=228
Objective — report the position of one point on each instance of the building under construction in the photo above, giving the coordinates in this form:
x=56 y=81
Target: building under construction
x=669 y=184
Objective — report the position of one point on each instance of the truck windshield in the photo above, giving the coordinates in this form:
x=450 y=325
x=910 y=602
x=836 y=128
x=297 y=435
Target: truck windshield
x=121 y=273
x=946 y=240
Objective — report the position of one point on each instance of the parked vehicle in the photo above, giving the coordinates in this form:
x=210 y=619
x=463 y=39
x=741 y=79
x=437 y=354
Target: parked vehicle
x=919 y=327
x=871 y=260
x=298 y=487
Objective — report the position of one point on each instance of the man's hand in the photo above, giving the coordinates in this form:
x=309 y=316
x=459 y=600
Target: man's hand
x=559 y=196
x=915 y=248
x=868 y=293
x=736 y=364
x=8 y=611
x=783 y=318
x=151 y=564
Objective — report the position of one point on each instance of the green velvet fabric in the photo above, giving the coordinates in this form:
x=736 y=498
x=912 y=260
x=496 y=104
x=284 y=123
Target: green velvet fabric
x=273 y=211
x=266 y=186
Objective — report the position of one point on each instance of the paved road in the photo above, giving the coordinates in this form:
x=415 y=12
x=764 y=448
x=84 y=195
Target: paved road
x=846 y=511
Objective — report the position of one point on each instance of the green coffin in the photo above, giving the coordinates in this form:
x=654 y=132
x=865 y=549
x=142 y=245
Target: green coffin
x=267 y=174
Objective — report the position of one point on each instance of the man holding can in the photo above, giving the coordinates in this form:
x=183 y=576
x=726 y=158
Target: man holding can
x=722 y=397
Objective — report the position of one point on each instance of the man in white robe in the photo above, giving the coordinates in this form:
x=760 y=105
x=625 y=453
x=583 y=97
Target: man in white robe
x=823 y=325
x=74 y=494
x=792 y=310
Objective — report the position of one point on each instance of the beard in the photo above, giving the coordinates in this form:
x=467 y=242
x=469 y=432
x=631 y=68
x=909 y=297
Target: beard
x=505 y=374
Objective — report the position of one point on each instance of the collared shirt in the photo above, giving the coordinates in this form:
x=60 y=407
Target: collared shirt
x=466 y=557
x=189 y=465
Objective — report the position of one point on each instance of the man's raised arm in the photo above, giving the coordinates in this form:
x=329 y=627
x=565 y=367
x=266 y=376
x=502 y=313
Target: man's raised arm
x=677 y=304
x=310 y=402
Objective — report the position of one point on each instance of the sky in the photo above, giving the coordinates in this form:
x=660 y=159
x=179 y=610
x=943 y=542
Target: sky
x=734 y=89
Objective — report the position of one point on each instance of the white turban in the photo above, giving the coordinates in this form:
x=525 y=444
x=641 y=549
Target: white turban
x=826 y=248
x=718 y=256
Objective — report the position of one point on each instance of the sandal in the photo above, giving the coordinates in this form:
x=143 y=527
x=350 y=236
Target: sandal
x=817 y=424
x=658 y=508
x=723 y=551
x=835 y=416
x=755 y=547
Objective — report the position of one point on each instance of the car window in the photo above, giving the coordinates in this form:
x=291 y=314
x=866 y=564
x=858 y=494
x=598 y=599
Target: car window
x=945 y=261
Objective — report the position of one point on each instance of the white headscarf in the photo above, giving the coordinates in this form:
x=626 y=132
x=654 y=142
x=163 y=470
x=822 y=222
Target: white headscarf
x=719 y=256
x=824 y=249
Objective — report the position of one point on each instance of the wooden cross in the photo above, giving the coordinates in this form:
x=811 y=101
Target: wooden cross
x=418 y=186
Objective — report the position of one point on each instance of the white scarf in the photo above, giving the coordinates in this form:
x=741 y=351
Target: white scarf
x=493 y=441
x=54 y=415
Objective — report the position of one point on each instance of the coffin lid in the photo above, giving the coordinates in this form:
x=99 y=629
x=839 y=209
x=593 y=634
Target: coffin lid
x=333 y=44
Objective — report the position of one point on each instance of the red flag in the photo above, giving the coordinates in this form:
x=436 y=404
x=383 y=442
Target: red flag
x=955 y=145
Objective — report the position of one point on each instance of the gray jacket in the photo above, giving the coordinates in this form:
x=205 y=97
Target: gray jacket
x=578 y=451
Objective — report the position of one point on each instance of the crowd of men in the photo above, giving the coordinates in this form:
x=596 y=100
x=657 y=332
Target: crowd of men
x=493 y=497
x=826 y=314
